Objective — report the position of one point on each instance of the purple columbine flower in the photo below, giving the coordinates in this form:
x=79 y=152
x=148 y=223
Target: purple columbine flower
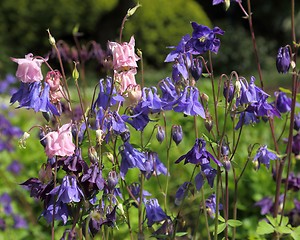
x=169 y=93
x=210 y=174
x=211 y=205
x=283 y=60
x=203 y=39
x=131 y=158
x=94 y=176
x=216 y=2
x=104 y=95
x=228 y=91
x=181 y=192
x=196 y=68
x=198 y=154
x=153 y=165
x=135 y=191
x=138 y=118
x=283 y=103
x=112 y=180
x=150 y=100
x=265 y=205
x=37 y=188
x=296 y=144
x=32 y=96
x=15 y=167
x=68 y=191
x=297 y=122
x=178 y=50
x=19 y=222
x=263 y=156
x=60 y=213
x=5 y=201
x=181 y=67
x=154 y=213
x=246 y=118
x=293 y=182
x=188 y=103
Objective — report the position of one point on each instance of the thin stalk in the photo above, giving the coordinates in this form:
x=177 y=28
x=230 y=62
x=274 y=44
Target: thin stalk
x=54 y=204
x=217 y=204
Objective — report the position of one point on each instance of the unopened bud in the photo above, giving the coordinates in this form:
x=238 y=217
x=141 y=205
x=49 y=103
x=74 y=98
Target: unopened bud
x=160 y=136
x=177 y=134
x=238 y=87
x=110 y=157
x=75 y=73
x=131 y=11
x=99 y=136
x=112 y=180
x=93 y=155
x=22 y=141
x=255 y=165
x=227 y=4
x=139 y=53
x=51 y=39
x=204 y=97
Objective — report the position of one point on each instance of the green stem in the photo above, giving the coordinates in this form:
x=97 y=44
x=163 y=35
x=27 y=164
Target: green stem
x=217 y=204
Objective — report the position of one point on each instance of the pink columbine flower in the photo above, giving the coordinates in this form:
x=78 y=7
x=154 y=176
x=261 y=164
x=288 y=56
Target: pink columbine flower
x=126 y=78
x=29 y=69
x=124 y=56
x=59 y=142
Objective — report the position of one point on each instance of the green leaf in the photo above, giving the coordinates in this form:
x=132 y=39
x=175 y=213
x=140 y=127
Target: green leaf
x=285 y=221
x=207 y=139
x=264 y=228
x=234 y=223
x=296 y=233
x=272 y=220
x=284 y=230
x=221 y=228
x=221 y=219
x=180 y=234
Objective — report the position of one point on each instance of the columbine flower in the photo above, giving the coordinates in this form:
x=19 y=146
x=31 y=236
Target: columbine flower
x=68 y=191
x=263 y=156
x=283 y=60
x=296 y=145
x=60 y=212
x=15 y=167
x=283 y=103
x=188 y=103
x=134 y=188
x=124 y=56
x=125 y=79
x=204 y=39
x=5 y=201
x=293 y=182
x=154 y=213
x=59 y=142
x=211 y=205
x=94 y=176
x=216 y=2
x=297 y=122
x=178 y=50
x=150 y=100
x=181 y=192
x=228 y=91
x=153 y=165
x=210 y=174
x=131 y=158
x=198 y=154
x=196 y=68
x=169 y=94
x=33 y=96
x=29 y=69
x=19 y=222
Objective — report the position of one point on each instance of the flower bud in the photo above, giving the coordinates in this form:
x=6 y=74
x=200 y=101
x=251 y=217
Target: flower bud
x=297 y=122
x=51 y=39
x=177 y=133
x=22 y=141
x=256 y=165
x=112 y=180
x=75 y=73
x=93 y=155
x=43 y=140
x=131 y=11
x=160 y=136
x=125 y=135
x=228 y=91
x=99 y=136
x=208 y=122
x=196 y=69
x=283 y=60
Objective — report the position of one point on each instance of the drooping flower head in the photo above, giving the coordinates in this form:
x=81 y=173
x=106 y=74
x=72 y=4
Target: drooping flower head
x=263 y=156
x=59 y=143
x=283 y=60
x=29 y=69
x=211 y=204
x=124 y=56
x=283 y=103
x=204 y=39
x=154 y=212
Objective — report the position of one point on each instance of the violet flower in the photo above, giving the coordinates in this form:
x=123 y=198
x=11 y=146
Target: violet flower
x=203 y=39
x=131 y=158
x=169 y=93
x=60 y=212
x=153 y=165
x=154 y=212
x=15 y=167
x=94 y=176
x=211 y=205
x=68 y=191
x=19 y=222
x=283 y=60
x=188 y=103
x=5 y=201
x=263 y=156
x=283 y=103
x=198 y=154
x=181 y=192
x=180 y=48
x=177 y=133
